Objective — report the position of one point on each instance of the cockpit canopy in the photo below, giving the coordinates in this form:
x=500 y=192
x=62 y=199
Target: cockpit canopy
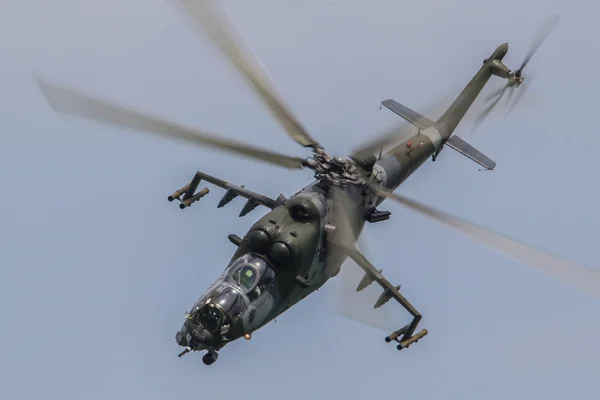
x=246 y=277
x=224 y=307
x=250 y=274
x=228 y=298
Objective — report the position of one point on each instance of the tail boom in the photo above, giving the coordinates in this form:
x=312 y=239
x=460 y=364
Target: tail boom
x=401 y=161
x=455 y=113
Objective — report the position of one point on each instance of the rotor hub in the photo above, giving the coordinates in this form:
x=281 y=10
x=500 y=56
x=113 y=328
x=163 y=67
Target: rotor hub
x=338 y=163
x=334 y=171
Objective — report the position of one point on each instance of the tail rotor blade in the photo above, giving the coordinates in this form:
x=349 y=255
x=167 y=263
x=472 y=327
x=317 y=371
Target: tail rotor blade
x=67 y=101
x=581 y=278
x=483 y=115
x=511 y=92
x=496 y=93
x=214 y=21
x=542 y=34
x=521 y=93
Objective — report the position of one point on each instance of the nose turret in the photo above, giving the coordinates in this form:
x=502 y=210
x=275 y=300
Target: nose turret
x=214 y=319
x=235 y=305
x=194 y=335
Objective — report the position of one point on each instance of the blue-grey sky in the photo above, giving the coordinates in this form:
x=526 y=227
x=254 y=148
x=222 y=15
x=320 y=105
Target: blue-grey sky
x=98 y=268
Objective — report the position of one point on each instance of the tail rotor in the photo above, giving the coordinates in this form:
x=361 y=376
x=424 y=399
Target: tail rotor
x=542 y=34
x=516 y=78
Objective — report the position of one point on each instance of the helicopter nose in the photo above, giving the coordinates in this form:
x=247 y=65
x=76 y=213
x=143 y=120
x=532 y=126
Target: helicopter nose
x=192 y=336
x=183 y=339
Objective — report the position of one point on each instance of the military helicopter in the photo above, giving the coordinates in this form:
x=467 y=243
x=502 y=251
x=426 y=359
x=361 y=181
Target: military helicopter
x=303 y=240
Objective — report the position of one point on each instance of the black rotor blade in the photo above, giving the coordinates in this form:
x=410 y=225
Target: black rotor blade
x=579 y=277
x=496 y=93
x=483 y=115
x=214 y=21
x=67 y=101
x=522 y=89
x=543 y=32
x=511 y=92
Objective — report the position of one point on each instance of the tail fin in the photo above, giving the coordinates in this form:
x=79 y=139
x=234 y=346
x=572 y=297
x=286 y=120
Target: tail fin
x=457 y=110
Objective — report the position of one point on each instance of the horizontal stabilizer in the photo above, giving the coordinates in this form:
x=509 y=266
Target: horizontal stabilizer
x=411 y=116
x=471 y=152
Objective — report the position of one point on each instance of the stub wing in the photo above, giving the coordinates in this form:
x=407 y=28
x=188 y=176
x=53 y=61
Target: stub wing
x=188 y=195
x=406 y=335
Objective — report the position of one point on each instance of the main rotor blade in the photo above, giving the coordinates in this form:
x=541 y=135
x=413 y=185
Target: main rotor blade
x=577 y=276
x=543 y=32
x=67 y=101
x=344 y=217
x=392 y=135
x=214 y=21
x=358 y=306
x=350 y=303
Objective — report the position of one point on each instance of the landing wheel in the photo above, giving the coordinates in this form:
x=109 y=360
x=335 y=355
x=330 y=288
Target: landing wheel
x=210 y=358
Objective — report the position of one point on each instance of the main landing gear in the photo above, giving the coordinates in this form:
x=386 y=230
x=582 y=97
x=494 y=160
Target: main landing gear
x=210 y=357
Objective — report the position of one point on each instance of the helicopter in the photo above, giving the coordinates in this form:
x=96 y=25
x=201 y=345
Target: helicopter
x=304 y=239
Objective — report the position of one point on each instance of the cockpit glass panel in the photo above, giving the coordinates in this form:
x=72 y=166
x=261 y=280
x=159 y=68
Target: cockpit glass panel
x=247 y=277
x=249 y=272
x=210 y=318
x=230 y=302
